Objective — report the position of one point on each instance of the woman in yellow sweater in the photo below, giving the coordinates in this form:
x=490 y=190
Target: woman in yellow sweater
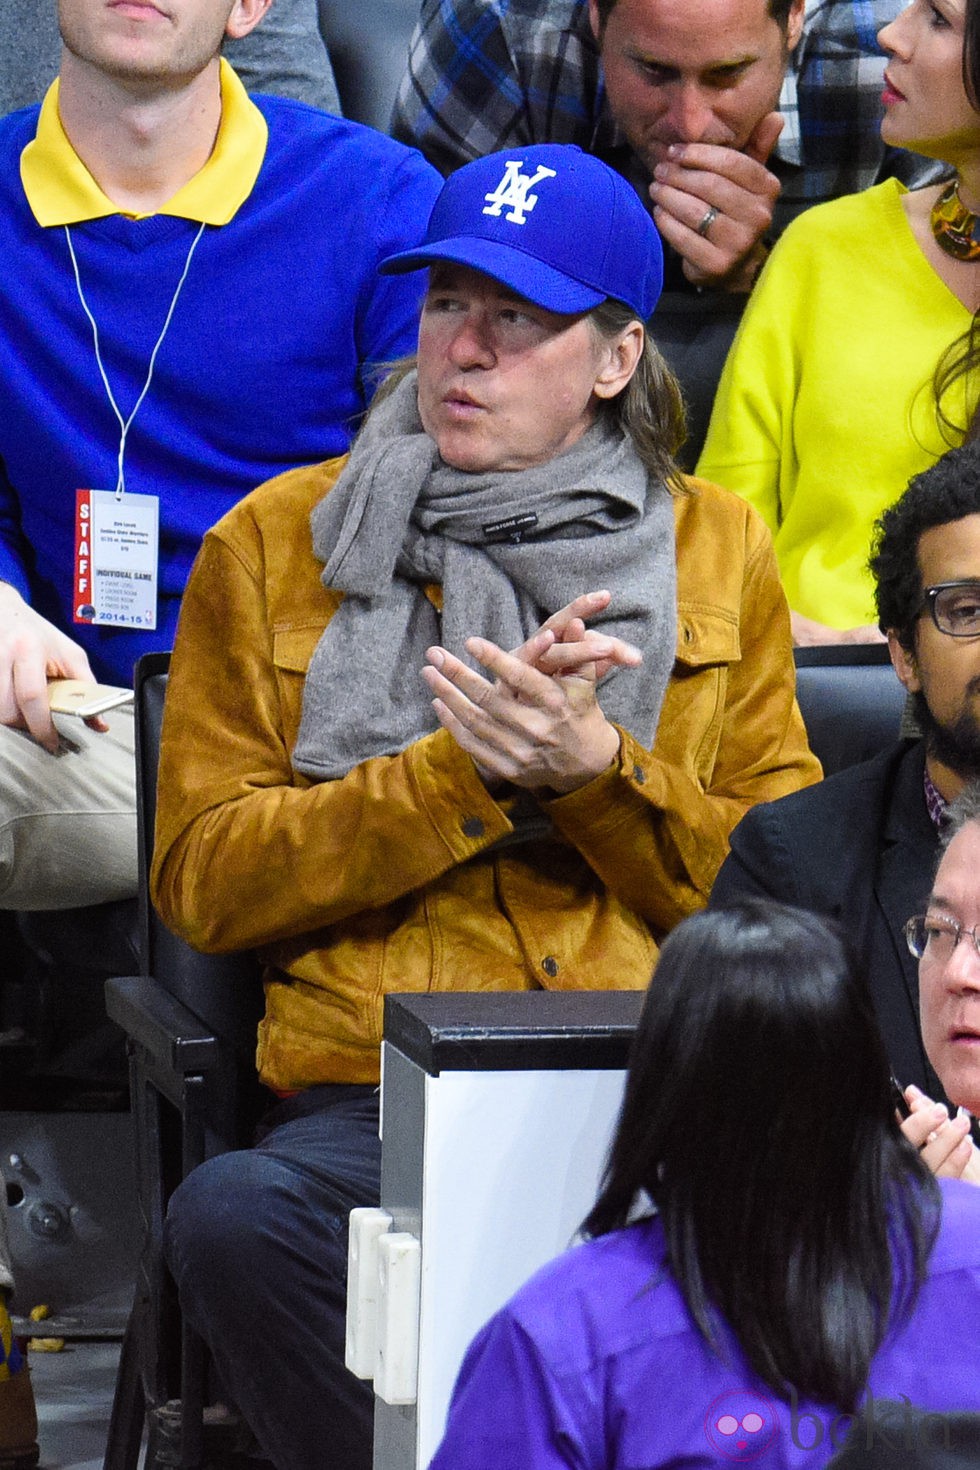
x=828 y=402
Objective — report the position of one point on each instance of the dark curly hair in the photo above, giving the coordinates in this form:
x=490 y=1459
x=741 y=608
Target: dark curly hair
x=946 y=492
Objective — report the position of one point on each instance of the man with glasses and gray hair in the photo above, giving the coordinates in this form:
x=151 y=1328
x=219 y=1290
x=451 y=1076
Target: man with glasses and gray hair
x=946 y=942
x=862 y=845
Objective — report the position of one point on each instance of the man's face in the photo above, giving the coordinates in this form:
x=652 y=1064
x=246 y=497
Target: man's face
x=151 y=40
x=949 y=976
x=503 y=384
x=944 y=670
x=679 y=72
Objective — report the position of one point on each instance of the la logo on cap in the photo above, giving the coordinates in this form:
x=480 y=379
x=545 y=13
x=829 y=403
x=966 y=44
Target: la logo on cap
x=514 y=190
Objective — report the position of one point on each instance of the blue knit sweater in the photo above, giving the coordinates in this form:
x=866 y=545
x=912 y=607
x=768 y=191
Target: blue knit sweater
x=264 y=366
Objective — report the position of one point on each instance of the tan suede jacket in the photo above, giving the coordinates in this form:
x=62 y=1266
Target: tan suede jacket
x=382 y=881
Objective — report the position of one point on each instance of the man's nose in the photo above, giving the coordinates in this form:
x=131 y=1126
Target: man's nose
x=690 y=114
x=962 y=972
x=472 y=342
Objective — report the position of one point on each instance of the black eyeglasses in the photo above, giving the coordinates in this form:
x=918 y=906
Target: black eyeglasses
x=954 y=608
x=927 y=934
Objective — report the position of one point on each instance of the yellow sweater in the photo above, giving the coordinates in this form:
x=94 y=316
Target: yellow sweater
x=825 y=408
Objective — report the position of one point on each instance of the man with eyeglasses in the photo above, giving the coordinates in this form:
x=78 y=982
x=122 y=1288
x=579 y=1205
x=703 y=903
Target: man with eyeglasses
x=946 y=941
x=862 y=845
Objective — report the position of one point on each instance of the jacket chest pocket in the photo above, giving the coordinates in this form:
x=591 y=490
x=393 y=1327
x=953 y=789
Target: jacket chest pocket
x=292 y=649
x=694 y=706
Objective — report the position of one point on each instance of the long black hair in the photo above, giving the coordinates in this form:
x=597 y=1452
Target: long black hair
x=758 y=1118
x=971 y=53
x=962 y=358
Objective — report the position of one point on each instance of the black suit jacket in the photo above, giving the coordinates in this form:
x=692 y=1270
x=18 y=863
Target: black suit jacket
x=861 y=848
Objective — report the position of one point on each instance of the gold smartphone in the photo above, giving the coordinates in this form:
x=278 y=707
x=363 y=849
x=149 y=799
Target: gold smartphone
x=78 y=697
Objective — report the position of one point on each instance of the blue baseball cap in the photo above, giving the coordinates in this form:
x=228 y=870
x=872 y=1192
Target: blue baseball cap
x=550 y=222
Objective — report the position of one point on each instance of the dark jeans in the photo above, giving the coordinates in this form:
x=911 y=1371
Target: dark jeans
x=257 y=1244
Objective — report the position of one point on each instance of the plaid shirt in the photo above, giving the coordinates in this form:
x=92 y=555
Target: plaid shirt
x=490 y=74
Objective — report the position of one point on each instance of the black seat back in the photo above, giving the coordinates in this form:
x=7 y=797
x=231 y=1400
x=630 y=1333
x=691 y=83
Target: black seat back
x=851 y=702
x=223 y=991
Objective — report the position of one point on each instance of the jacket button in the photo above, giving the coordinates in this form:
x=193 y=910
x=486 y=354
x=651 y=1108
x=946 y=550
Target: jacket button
x=550 y=965
x=639 y=776
x=473 y=827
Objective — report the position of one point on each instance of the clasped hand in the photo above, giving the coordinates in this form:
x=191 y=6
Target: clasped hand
x=944 y=1143
x=535 y=721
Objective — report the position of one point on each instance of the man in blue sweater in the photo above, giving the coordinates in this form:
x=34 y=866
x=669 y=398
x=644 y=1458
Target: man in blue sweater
x=285 y=54
x=189 y=303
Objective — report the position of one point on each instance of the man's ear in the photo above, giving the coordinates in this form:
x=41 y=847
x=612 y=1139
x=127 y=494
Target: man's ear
x=794 y=23
x=904 y=664
x=622 y=357
x=595 y=21
x=245 y=16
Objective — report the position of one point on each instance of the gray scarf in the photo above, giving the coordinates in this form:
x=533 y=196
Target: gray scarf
x=398 y=518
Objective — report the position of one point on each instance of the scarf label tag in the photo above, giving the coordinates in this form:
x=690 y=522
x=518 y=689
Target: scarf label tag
x=514 y=528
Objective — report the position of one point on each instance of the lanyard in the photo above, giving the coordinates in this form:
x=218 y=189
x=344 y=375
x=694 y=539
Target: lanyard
x=126 y=424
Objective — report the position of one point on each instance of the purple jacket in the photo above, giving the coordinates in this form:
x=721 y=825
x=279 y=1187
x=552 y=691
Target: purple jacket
x=597 y=1364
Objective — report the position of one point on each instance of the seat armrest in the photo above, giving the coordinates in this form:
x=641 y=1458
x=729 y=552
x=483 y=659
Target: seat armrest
x=150 y=1016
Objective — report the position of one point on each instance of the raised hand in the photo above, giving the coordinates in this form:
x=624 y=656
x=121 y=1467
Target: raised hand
x=715 y=204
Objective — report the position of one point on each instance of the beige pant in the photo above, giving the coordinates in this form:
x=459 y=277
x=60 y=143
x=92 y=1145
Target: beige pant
x=67 y=832
x=68 y=821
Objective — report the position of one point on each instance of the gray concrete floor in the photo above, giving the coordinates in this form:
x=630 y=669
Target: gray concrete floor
x=73 y=1390
x=72 y=1173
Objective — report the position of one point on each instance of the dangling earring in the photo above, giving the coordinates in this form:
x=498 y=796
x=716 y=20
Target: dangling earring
x=956 y=228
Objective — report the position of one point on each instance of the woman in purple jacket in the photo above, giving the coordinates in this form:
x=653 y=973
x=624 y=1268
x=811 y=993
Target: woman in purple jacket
x=801 y=1263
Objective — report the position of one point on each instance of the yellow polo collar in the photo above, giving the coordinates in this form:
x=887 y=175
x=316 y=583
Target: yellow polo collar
x=61 y=191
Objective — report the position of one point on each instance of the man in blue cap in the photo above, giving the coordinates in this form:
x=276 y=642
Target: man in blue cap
x=458 y=784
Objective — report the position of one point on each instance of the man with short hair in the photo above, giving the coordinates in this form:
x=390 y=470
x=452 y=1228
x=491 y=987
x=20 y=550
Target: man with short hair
x=189 y=304
x=688 y=100
x=946 y=939
x=285 y=54
x=733 y=116
x=861 y=846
